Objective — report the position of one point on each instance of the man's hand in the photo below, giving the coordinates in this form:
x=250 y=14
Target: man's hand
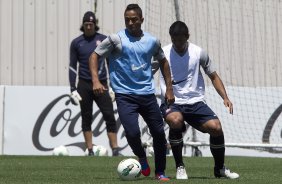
x=98 y=88
x=75 y=98
x=228 y=104
x=169 y=96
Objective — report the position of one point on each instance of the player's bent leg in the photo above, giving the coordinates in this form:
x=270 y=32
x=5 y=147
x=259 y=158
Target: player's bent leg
x=176 y=142
x=217 y=147
x=177 y=127
x=218 y=150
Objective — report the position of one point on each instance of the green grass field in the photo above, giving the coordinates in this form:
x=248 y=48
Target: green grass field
x=80 y=170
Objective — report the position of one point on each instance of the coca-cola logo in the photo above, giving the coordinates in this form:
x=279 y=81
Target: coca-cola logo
x=66 y=121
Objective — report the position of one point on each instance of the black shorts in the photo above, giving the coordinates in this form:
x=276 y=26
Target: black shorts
x=103 y=101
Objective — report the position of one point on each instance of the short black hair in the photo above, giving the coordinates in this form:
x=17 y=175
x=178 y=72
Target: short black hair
x=134 y=7
x=178 y=28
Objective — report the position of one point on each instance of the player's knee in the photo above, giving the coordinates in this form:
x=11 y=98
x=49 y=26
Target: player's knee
x=86 y=121
x=86 y=126
x=175 y=122
x=108 y=115
x=215 y=128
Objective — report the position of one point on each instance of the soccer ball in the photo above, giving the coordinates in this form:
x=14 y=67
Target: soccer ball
x=98 y=150
x=129 y=169
x=61 y=151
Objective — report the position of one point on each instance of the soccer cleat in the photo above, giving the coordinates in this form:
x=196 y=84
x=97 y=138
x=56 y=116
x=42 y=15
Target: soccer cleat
x=145 y=166
x=225 y=172
x=161 y=177
x=181 y=173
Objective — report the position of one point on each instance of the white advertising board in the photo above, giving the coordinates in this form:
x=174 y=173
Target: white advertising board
x=37 y=119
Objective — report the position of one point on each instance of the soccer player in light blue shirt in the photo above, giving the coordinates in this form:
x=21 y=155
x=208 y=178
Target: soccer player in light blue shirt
x=130 y=52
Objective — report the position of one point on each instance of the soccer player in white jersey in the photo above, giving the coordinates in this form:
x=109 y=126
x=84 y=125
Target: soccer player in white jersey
x=185 y=60
x=130 y=52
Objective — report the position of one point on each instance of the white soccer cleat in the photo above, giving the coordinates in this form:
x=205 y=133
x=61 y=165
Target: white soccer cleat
x=181 y=173
x=226 y=173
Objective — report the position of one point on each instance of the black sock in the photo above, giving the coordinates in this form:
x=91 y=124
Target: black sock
x=176 y=143
x=218 y=150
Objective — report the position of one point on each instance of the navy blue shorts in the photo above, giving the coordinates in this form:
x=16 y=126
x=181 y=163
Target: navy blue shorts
x=130 y=106
x=194 y=114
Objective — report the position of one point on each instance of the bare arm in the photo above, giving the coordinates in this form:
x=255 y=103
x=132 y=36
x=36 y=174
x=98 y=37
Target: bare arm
x=218 y=85
x=164 y=67
x=98 y=88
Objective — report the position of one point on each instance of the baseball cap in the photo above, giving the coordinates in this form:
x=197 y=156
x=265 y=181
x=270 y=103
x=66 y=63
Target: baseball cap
x=89 y=17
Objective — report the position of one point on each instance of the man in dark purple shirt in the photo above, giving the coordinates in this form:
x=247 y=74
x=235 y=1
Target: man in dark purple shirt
x=80 y=50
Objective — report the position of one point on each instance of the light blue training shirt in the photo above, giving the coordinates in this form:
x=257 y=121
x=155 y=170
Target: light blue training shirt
x=130 y=61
